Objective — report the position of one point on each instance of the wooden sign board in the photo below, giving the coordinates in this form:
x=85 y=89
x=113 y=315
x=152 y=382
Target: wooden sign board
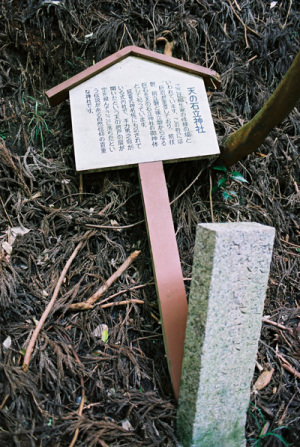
x=138 y=107
x=139 y=111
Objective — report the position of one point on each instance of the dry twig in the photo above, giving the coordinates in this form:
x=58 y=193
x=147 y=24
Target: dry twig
x=286 y=365
x=127 y=290
x=244 y=25
x=9 y=160
x=187 y=188
x=79 y=412
x=280 y=326
x=121 y=303
x=43 y=318
x=89 y=304
x=4 y=401
x=114 y=227
x=5 y=212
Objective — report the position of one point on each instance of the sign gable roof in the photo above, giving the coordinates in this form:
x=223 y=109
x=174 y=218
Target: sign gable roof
x=60 y=93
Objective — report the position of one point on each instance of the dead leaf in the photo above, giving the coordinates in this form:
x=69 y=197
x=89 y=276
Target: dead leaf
x=101 y=331
x=127 y=425
x=263 y=380
x=266 y=427
x=7 y=342
x=13 y=232
x=7 y=247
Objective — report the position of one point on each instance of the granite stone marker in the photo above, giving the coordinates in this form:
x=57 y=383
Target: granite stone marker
x=230 y=275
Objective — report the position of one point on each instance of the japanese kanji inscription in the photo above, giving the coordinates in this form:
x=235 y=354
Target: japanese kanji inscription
x=140 y=111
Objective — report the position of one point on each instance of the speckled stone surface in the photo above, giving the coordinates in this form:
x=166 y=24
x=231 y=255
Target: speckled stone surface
x=230 y=276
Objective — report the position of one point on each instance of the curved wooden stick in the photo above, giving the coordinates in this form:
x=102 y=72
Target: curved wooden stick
x=42 y=320
x=80 y=409
x=89 y=304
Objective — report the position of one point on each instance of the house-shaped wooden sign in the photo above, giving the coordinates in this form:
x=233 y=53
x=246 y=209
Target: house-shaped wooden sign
x=142 y=108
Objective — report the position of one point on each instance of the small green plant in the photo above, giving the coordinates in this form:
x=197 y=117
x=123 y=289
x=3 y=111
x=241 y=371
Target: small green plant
x=37 y=124
x=263 y=433
x=2 y=135
x=225 y=181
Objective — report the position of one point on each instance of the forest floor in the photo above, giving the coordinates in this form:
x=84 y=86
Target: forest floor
x=117 y=392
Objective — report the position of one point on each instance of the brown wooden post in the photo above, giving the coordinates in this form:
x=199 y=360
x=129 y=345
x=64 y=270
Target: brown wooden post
x=166 y=263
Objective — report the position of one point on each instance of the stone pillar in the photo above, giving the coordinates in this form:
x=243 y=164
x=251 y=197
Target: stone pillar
x=229 y=281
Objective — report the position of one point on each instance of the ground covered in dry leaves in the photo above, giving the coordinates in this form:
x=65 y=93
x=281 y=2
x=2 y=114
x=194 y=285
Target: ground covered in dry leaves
x=117 y=393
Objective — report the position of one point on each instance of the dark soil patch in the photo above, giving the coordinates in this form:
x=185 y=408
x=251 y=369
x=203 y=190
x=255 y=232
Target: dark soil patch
x=126 y=380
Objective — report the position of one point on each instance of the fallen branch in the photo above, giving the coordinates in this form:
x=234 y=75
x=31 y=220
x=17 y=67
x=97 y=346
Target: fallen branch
x=244 y=25
x=121 y=303
x=89 y=304
x=290 y=243
x=79 y=412
x=187 y=188
x=280 y=326
x=280 y=422
x=4 y=401
x=110 y=297
x=80 y=409
x=114 y=227
x=8 y=160
x=5 y=212
x=42 y=320
x=286 y=365
x=130 y=289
